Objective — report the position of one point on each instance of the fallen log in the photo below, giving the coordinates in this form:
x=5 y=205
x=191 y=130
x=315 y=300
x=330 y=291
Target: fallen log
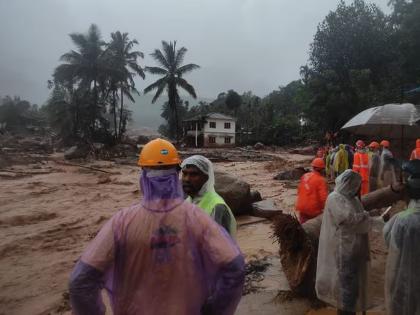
x=83 y=166
x=299 y=243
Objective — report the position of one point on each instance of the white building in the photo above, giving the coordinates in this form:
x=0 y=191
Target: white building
x=211 y=130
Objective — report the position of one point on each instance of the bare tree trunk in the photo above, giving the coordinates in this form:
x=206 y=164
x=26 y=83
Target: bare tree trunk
x=95 y=104
x=121 y=114
x=176 y=122
x=114 y=109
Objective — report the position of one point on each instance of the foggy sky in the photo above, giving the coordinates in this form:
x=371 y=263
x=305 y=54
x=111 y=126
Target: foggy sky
x=243 y=45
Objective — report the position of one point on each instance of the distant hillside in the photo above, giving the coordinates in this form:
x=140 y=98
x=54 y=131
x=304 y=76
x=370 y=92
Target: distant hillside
x=146 y=114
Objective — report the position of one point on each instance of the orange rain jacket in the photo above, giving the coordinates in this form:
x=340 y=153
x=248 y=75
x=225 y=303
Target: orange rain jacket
x=361 y=166
x=312 y=194
x=415 y=155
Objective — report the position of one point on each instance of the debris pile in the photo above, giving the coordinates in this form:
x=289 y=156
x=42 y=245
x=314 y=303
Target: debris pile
x=297 y=254
x=254 y=273
x=228 y=155
x=278 y=163
x=291 y=174
x=23 y=150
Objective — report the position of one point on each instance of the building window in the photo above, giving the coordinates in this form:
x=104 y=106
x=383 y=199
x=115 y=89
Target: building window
x=212 y=139
x=227 y=140
x=212 y=124
x=227 y=125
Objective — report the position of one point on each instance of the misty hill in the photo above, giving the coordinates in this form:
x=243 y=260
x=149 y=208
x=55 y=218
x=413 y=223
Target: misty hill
x=146 y=114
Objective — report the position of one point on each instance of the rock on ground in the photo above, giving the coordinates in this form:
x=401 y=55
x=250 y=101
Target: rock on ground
x=236 y=193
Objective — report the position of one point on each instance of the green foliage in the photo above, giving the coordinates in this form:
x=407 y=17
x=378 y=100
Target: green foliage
x=406 y=22
x=90 y=83
x=353 y=65
x=18 y=115
x=171 y=70
x=233 y=101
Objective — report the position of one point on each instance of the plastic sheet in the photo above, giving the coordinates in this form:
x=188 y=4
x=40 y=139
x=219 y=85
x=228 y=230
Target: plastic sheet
x=343 y=254
x=402 y=284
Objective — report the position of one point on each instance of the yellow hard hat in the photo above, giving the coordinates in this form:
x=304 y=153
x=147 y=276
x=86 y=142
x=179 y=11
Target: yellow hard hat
x=158 y=152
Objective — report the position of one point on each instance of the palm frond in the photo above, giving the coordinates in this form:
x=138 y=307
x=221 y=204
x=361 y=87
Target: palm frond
x=156 y=70
x=180 y=54
x=186 y=86
x=137 y=69
x=79 y=40
x=155 y=85
x=187 y=68
x=160 y=58
x=72 y=57
x=169 y=50
x=158 y=93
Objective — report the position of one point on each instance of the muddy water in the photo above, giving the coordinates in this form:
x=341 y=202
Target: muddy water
x=47 y=219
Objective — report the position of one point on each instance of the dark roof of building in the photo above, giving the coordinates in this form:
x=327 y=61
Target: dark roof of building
x=212 y=116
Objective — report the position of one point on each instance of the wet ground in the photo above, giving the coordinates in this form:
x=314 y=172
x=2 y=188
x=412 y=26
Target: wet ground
x=49 y=212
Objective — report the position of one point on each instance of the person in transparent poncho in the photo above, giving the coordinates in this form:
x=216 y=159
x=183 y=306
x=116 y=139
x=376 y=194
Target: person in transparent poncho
x=161 y=256
x=198 y=183
x=343 y=254
x=402 y=235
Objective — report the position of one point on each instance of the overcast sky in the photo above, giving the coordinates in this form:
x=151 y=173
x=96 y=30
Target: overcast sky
x=244 y=45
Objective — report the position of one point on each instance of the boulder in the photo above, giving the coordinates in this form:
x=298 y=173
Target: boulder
x=265 y=209
x=292 y=174
x=76 y=152
x=235 y=192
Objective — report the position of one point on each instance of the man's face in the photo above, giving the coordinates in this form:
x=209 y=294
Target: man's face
x=192 y=180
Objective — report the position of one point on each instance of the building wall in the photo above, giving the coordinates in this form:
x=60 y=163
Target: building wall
x=220 y=133
x=220 y=126
x=220 y=139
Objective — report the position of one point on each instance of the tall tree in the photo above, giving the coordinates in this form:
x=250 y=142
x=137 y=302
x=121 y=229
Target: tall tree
x=406 y=22
x=170 y=62
x=123 y=61
x=81 y=70
x=233 y=101
x=352 y=64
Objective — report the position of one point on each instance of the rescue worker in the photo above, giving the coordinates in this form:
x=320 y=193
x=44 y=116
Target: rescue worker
x=350 y=154
x=198 y=184
x=374 y=163
x=329 y=162
x=415 y=155
x=401 y=233
x=361 y=165
x=386 y=169
x=312 y=192
x=343 y=253
x=341 y=160
x=163 y=255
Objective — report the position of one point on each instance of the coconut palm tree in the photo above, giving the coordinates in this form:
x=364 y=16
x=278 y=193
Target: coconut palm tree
x=170 y=62
x=124 y=67
x=82 y=69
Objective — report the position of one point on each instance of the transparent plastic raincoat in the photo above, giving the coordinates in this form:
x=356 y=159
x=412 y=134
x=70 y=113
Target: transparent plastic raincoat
x=162 y=256
x=387 y=174
x=343 y=254
x=402 y=282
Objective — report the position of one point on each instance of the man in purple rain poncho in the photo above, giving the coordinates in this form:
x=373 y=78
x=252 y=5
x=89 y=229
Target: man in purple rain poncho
x=161 y=256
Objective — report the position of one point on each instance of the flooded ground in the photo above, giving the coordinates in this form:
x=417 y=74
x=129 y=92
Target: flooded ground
x=49 y=211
